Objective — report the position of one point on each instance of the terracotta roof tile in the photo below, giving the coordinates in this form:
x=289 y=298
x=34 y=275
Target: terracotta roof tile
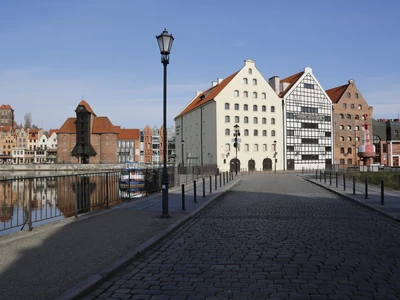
x=5 y=106
x=103 y=125
x=128 y=134
x=207 y=96
x=87 y=106
x=336 y=93
x=51 y=131
x=68 y=126
x=292 y=80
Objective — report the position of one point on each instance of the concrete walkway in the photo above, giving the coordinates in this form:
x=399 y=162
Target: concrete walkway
x=64 y=258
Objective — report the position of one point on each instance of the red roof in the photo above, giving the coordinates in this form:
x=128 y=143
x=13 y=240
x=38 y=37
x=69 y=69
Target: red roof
x=207 y=96
x=68 y=126
x=103 y=125
x=51 y=131
x=87 y=106
x=336 y=93
x=5 y=106
x=292 y=80
x=127 y=134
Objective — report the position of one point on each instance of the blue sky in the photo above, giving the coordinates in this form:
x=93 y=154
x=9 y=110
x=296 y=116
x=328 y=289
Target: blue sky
x=54 y=52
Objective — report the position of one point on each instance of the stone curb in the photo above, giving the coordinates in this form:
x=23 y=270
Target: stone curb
x=87 y=285
x=354 y=200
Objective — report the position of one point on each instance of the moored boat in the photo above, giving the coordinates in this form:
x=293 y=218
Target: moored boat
x=132 y=181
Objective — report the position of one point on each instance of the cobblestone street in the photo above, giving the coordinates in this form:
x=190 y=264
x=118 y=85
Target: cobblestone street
x=272 y=236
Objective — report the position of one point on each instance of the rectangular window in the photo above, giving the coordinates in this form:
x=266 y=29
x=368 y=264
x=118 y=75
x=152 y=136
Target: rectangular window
x=308 y=86
x=290 y=132
x=328 y=149
x=327 y=134
x=309 y=157
x=309 y=141
x=289 y=115
x=307 y=109
x=309 y=125
x=290 y=148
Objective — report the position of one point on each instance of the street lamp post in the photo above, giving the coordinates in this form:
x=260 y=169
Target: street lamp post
x=355 y=146
x=165 y=41
x=275 y=156
x=235 y=144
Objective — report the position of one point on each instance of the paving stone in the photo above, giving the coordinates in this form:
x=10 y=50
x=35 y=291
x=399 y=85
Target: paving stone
x=268 y=239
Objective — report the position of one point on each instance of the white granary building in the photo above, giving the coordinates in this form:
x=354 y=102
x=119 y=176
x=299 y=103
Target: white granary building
x=244 y=103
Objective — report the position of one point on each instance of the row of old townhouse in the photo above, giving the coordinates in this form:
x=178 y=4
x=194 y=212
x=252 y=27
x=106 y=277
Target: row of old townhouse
x=286 y=124
x=112 y=144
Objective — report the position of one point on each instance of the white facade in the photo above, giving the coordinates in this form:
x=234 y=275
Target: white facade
x=205 y=128
x=308 y=120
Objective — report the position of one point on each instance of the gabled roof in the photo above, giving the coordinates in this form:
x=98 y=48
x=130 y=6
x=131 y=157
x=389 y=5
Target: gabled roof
x=127 y=134
x=51 y=131
x=207 y=96
x=103 y=125
x=68 y=126
x=336 y=93
x=87 y=106
x=5 y=106
x=292 y=80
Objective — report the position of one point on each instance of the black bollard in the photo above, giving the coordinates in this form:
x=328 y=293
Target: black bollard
x=325 y=176
x=382 y=193
x=320 y=176
x=220 y=180
x=223 y=175
x=194 y=191
x=316 y=174
x=330 y=178
x=354 y=185
x=344 y=182
x=215 y=181
x=337 y=182
x=183 y=197
x=210 y=184
x=366 y=187
x=204 y=187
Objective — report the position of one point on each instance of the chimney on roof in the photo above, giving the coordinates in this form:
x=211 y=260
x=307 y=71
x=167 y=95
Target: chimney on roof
x=219 y=80
x=307 y=70
x=274 y=83
x=214 y=83
x=198 y=93
x=284 y=86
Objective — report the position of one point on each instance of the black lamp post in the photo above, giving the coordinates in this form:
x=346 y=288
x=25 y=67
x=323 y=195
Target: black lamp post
x=275 y=154
x=235 y=144
x=165 y=41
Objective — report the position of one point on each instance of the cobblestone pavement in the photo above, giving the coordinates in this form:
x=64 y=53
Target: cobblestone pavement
x=272 y=236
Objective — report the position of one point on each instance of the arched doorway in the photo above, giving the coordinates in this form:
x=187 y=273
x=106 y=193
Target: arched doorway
x=267 y=164
x=252 y=165
x=232 y=165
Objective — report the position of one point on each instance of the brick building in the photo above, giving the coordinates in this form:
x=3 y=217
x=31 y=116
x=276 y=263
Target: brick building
x=349 y=110
x=97 y=138
x=6 y=115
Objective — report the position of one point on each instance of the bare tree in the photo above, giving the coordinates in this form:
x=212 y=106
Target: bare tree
x=28 y=120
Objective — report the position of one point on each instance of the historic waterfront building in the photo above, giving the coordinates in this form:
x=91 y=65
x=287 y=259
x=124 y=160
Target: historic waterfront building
x=6 y=116
x=350 y=112
x=307 y=119
x=242 y=103
x=87 y=138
